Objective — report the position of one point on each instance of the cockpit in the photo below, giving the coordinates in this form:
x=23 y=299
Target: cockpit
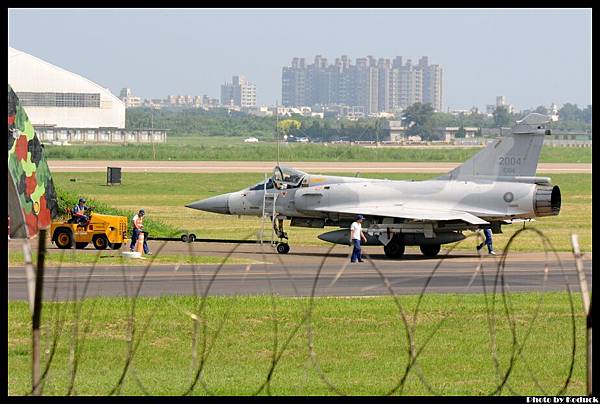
x=261 y=185
x=282 y=178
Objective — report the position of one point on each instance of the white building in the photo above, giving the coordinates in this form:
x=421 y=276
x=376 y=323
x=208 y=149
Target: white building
x=53 y=96
x=129 y=99
x=397 y=131
x=449 y=133
x=239 y=92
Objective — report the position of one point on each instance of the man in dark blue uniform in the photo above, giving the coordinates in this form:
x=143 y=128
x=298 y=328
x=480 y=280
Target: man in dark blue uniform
x=78 y=213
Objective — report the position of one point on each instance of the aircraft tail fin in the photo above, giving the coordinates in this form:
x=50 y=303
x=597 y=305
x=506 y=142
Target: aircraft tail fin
x=513 y=155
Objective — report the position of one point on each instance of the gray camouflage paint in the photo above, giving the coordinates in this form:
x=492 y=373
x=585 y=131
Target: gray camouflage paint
x=495 y=185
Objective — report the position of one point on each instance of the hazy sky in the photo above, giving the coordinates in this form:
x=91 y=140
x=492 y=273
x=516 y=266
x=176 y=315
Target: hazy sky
x=532 y=57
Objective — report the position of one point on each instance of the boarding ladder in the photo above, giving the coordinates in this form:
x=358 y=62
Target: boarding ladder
x=268 y=196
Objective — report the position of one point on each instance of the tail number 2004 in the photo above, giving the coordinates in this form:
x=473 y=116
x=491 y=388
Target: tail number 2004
x=509 y=161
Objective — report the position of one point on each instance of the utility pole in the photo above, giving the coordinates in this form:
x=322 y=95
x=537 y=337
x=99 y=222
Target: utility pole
x=152 y=133
x=587 y=309
x=277 y=129
x=377 y=142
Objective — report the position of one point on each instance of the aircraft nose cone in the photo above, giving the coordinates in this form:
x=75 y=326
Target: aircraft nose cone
x=216 y=204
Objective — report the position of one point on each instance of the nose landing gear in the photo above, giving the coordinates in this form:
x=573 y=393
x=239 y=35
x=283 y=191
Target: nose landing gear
x=283 y=248
x=282 y=245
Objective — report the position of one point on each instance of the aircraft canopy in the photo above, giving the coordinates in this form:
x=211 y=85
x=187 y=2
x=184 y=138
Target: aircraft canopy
x=287 y=175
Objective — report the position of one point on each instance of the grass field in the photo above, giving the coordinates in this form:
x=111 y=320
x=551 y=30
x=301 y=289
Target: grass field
x=165 y=195
x=75 y=257
x=206 y=148
x=360 y=345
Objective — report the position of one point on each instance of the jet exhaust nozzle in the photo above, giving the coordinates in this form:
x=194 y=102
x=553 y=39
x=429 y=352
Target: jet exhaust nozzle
x=547 y=200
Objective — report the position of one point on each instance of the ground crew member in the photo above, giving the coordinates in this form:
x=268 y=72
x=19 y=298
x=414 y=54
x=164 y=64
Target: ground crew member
x=488 y=241
x=78 y=212
x=138 y=227
x=356 y=235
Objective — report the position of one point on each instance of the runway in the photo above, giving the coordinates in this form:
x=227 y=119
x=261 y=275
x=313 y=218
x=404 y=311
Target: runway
x=306 y=271
x=267 y=166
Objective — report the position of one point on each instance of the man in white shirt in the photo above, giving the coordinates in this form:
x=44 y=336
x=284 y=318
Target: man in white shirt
x=138 y=227
x=356 y=235
x=488 y=241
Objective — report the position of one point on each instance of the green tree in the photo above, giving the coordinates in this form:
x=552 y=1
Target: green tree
x=569 y=112
x=587 y=114
x=501 y=117
x=288 y=125
x=444 y=119
x=461 y=133
x=541 y=110
x=422 y=131
x=419 y=114
x=420 y=119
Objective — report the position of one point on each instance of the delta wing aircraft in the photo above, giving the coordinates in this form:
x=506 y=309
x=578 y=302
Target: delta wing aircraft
x=496 y=186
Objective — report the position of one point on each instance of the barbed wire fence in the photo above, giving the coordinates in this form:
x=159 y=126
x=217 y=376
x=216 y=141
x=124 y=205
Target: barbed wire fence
x=498 y=308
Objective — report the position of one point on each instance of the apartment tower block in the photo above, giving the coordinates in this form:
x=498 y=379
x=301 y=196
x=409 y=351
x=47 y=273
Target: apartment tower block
x=369 y=84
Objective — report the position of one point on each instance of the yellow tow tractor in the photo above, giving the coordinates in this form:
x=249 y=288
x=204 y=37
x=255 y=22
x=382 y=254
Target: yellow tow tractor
x=101 y=230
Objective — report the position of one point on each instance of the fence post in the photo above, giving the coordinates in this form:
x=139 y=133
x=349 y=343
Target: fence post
x=587 y=307
x=589 y=351
x=37 y=315
x=29 y=273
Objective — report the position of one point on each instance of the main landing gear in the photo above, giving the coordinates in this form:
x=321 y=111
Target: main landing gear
x=395 y=248
x=430 y=250
x=282 y=245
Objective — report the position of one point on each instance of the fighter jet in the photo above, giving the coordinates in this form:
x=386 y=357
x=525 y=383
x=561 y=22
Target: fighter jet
x=497 y=186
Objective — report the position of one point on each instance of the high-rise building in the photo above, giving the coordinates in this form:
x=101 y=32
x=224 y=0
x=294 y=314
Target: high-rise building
x=432 y=85
x=370 y=85
x=239 y=92
x=366 y=85
x=384 y=85
x=293 y=82
x=346 y=82
x=500 y=101
x=410 y=85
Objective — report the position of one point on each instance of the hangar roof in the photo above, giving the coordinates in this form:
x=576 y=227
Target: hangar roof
x=26 y=73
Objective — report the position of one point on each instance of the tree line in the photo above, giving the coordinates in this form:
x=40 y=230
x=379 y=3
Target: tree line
x=420 y=119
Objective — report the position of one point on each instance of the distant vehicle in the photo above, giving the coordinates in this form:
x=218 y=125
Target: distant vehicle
x=496 y=186
x=251 y=140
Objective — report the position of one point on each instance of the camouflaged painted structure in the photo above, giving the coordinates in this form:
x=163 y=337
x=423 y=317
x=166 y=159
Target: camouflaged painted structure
x=30 y=174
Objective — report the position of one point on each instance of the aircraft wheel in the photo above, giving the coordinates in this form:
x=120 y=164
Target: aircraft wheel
x=100 y=242
x=283 y=248
x=184 y=238
x=63 y=238
x=191 y=238
x=81 y=246
x=394 y=249
x=115 y=246
x=430 y=250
